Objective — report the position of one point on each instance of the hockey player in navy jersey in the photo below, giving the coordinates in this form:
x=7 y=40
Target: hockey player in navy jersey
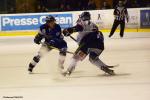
x=51 y=33
x=90 y=41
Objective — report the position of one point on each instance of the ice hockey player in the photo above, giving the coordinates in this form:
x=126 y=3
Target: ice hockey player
x=51 y=32
x=90 y=40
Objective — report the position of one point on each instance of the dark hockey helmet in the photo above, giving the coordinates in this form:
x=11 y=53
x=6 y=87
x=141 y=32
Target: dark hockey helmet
x=85 y=16
x=49 y=18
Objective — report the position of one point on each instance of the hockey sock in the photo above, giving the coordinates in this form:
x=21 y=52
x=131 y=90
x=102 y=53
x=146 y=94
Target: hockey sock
x=72 y=64
x=35 y=60
x=61 y=61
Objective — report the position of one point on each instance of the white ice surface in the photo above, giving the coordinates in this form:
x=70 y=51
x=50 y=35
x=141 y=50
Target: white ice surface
x=132 y=81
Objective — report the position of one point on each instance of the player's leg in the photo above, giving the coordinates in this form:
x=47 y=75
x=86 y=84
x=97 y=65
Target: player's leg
x=79 y=56
x=62 y=46
x=115 y=25
x=62 y=56
x=122 y=26
x=61 y=60
x=43 y=50
x=71 y=67
x=94 y=59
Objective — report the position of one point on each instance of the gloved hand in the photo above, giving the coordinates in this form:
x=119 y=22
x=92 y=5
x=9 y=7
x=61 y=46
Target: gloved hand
x=38 y=38
x=66 y=32
x=36 y=41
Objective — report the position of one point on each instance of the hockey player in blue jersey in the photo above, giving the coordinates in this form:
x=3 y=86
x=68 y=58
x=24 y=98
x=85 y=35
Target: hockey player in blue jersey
x=51 y=33
x=90 y=41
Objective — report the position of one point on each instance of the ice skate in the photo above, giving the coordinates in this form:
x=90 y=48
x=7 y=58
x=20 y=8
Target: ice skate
x=108 y=71
x=66 y=73
x=30 y=69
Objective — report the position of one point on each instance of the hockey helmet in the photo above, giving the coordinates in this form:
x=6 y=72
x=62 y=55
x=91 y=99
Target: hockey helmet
x=85 y=16
x=50 y=18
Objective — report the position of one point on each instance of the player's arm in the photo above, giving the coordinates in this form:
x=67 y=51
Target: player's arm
x=115 y=13
x=59 y=33
x=69 y=31
x=126 y=14
x=38 y=37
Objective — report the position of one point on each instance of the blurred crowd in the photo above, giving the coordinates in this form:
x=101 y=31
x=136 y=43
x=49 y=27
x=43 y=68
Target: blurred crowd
x=23 y=6
x=65 y=5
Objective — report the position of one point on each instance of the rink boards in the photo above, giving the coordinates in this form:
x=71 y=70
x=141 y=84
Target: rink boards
x=28 y=24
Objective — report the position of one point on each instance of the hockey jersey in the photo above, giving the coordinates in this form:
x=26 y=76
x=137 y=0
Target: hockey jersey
x=49 y=33
x=87 y=26
x=120 y=13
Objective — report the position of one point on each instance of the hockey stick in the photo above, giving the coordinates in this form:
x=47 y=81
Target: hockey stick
x=76 y=42
x=73 y=38
x=55 y=48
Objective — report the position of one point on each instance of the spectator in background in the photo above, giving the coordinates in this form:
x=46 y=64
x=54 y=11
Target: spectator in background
x=68 y=8
x=105 y=5
x=11 y=6
x=24 y=7
x=135 y=4
x=44 y=9
x=148 y=4
x=78 y=6
x=11 y=10
x=41 y=6
x=38 y=8
x=44 y=4
x=84 y=4
x=62 y=7
x=141 y=3
x=91 y=5
x=65 y=6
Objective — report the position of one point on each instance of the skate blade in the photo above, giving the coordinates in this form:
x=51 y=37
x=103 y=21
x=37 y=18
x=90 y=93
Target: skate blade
x=117 y=65
x=65 y=74
x=30 y=72
x=110 y=74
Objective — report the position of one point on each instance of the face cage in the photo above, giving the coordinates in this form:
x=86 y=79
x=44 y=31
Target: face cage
x=85 y=18
x=49 y=21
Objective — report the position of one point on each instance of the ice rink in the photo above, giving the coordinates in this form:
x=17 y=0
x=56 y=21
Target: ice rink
x=131 y=82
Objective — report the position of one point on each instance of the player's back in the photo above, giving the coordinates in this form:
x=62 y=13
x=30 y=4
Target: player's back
x=88 y=26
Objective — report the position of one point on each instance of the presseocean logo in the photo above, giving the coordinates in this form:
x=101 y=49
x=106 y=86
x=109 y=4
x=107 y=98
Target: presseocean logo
x=32 y=22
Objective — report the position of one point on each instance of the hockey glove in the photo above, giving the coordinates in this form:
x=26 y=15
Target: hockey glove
x=66 y=32
x=38 y=39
